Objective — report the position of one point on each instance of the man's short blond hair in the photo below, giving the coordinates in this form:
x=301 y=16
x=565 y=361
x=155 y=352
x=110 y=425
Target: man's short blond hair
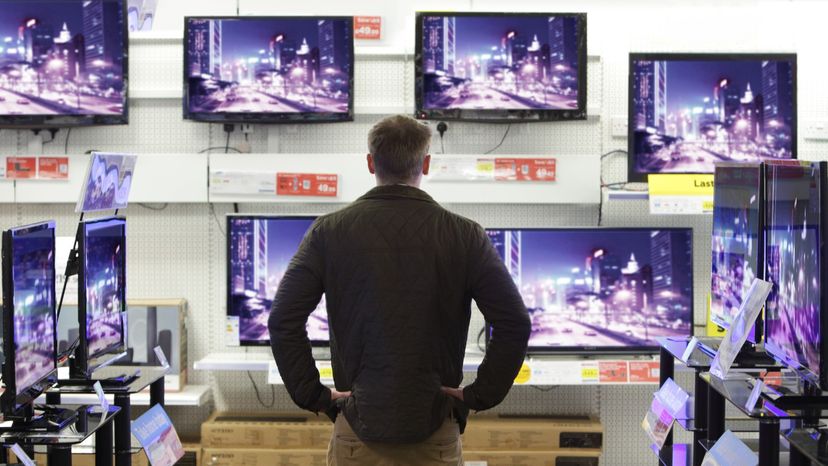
x=399 y=145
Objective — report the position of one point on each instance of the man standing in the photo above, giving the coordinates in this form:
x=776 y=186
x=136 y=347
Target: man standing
x=399 y=273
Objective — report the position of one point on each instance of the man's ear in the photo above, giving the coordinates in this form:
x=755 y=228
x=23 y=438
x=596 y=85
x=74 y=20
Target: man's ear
x=371 y=167
x=426 y=164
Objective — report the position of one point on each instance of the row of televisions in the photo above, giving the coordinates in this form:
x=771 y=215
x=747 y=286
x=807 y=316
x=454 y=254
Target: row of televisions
x=64 y=63
x=617 y=290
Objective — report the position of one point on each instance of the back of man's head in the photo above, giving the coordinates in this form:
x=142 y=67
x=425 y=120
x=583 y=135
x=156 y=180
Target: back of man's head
x=399 y=145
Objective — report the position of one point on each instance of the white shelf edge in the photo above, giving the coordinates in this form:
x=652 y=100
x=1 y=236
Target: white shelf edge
x=191 y=395
x=156 y=36
x=156 y=94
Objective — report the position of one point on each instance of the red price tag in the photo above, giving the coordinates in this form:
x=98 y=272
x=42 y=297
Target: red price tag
x=612 y=371
x=644 y=371
x=21 y=168
x=516 y=169
x=306 y=184
x=53 y=168
x=367 y=27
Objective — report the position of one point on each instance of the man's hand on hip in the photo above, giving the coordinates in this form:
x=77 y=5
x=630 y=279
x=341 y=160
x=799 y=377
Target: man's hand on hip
x=454 y=392
x=335 y=395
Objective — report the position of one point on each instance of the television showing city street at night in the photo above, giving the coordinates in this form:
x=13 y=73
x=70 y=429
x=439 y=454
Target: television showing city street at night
x=104 y=284
x=62 y=62
x=501 y=66
x=269 y=70
x=601 y=289
x=687 y=112
x=259 y=250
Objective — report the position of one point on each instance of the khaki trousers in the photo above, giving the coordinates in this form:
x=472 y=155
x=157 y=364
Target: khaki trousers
x=442 y=448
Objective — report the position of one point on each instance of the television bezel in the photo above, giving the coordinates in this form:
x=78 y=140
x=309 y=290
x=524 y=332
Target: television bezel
x=13 y=397
x=500 y=115
x=634 y=176
x=84 y=362
x=275 y=117
x=760 y=238
x=228 y=277
x=37 y=122
x=821 y=381
x=609 y=350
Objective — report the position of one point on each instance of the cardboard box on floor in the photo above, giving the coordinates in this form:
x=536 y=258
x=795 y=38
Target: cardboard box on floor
x=486 y=433
x=267 y=431
x=192 y=454
x=262 y=457
x=531 y=458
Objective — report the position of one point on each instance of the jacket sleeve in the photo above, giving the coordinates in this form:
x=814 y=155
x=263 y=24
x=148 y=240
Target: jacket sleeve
x=498 y=299
x=298 y=295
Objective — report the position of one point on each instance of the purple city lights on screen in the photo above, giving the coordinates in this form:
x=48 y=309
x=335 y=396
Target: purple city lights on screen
x=260 y=251
x=792 y=255
x=508 y=62
x=601 y=288
x=62 y=58
x=33 y=270
x=689 y=114
x=735 y=240
x=269 y=65
x=105 y=285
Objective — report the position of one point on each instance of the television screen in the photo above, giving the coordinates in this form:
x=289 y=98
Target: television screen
x=31 y=273
x=687 y=112
x=104 y=284
x=601 y=289
x=509 y=66
x=793 y=242
x=63 y=63
x=269 y=70
x=259 y=250
x=737 y=251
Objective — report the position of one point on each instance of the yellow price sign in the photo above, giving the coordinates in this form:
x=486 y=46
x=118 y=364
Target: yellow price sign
x=707 y=206
x=524 y=374
x=326 y=372
x=589 y=373
x=485 y=166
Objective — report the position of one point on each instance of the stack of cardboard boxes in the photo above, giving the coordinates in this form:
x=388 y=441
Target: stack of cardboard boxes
x=294 y=439
x=532 y=441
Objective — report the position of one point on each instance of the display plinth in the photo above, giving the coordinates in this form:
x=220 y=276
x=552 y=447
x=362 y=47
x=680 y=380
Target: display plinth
x=812 y=444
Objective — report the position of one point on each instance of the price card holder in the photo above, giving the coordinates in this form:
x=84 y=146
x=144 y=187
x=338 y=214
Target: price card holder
x=273 y=376
x=750 y=405
x=162 y=358
x=730 y=450
x=231 y=331
x=103 y=403
x=21 y=455
x=694 y=343
x=158 y=437
x=737 y=334
x=657 y=423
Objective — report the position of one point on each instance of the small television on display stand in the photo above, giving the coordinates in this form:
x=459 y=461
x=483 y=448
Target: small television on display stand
x=29 y=331
x=738 y=241
x=689 y=111
x=259 y=250
x=795 y=221
x=101 y=295
x=501 y=67
x=601 y=290
x=63 y=63
x=258 y=69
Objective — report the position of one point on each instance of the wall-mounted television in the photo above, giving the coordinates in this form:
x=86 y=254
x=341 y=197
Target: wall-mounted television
x=507 y=67
x=63 y=63
x=259 y=250
x=254 y=69
x=689 y=111
x=601 y=290
x=795 y=221
x=738 y=251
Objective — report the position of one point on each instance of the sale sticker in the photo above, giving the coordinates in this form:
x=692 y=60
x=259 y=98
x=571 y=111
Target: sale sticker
x=644 y=371
x=517 y=169
x=367 y=27
x=21 y=168
x=612 y=371
x=307 y=184
x=53 y=168
x=589 y=372
x=524 y=375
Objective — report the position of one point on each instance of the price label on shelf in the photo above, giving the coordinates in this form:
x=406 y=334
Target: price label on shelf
x=524 y=375
x=325 y=372
x=676 y=194
x=590 y=373
x=644 y=371
x=307 y=184
x=613 y=371
x=53 y=168
x=367 y=27
x=525 y=169
x=21 y=168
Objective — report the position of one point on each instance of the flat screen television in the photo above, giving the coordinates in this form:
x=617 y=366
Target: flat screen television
x=102 y=294
x=29 y=335
x=737 y=252
x=258 y=69
x=508 y=67
x=689 y=111
x=259 y=249
x=601 y=290
x=63 y=63
x=794 y=232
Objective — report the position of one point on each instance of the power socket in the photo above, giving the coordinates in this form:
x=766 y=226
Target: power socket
x=618 y=127
x=246 y=128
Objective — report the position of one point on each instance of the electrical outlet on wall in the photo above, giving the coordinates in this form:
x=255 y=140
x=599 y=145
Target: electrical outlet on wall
x=816 y=130
x=618 y=126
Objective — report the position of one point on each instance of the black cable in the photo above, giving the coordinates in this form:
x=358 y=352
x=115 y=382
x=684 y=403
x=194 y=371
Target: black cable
x=617 y=151
x=218 y=222
x=220 y=147
x=601 y=207
x=66 y=143
x=482 y=332
x=259 y=396
x=162 y=207
x=442 y=147
x=545 y=389
x=508 y=128
x=227 y=145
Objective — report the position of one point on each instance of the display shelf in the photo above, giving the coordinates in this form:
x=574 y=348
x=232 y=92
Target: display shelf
x=673 y=455
x=191 y=395
x=811 y=443
x=735 y=425
x=156 y=36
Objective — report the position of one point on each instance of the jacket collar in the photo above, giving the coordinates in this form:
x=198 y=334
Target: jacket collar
x=397 y=191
